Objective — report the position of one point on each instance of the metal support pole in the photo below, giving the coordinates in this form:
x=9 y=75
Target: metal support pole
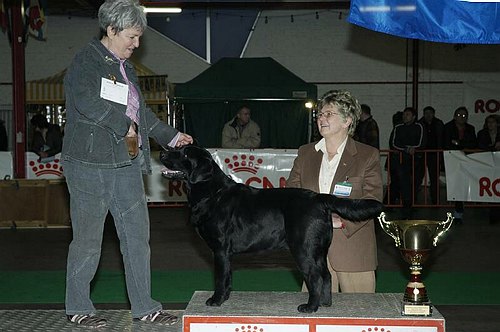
x=18 y=91
x=415 y=74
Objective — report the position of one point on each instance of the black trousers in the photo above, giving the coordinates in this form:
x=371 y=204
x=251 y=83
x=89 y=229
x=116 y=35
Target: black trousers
x=433 y=167
x=409 y=170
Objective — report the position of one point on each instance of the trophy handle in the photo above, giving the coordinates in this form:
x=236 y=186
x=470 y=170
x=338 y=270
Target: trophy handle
x=442 y=228
x=389 y=228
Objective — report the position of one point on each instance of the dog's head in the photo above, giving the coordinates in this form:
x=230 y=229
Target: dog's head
x=190 y=162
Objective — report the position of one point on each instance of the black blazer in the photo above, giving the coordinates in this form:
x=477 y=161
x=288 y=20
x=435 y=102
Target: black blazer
x=469 y=140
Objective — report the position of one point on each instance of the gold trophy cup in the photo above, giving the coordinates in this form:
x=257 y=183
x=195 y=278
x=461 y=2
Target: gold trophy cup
x=415 y=239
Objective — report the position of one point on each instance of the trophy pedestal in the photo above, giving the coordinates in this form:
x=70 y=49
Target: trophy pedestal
x=415 y=299
x=277 y=312
x=416 y=309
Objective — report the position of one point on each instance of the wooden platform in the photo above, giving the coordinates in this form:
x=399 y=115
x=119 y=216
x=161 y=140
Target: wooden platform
x=277 y=312
x=34 y=203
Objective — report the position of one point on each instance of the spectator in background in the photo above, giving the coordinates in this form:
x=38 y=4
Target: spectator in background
x=434 y=136
x=367 y=129
x=241 y=132
x=488 y=138
x=4 y=140
x=47 y=138
x=407 y=138
x=459 y=135
x=392 y=165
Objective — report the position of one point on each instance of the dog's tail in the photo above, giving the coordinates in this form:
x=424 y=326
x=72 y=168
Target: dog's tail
x=355 y=209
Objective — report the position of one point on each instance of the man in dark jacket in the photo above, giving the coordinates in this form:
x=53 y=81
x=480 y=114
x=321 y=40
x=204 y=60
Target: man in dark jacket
x=407 y=138
x=392 y=165
x=367 y=129
x=434 y=136
x=459 y=135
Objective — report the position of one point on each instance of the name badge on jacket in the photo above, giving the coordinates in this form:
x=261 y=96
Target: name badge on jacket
x=342 y=189
x=114 y=91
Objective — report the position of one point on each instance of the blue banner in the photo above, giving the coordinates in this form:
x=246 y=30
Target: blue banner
x=448 y=21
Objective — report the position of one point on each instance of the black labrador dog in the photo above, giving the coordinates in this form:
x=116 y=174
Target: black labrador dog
x=234 y=218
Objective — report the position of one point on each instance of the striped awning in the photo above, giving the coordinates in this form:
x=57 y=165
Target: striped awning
x=50 y=90
x=47 y=90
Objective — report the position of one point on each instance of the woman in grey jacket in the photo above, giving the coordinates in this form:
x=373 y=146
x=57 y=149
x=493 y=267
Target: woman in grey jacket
x=105 y=150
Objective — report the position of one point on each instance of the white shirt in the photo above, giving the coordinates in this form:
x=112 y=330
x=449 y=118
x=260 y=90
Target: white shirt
x=328 y=167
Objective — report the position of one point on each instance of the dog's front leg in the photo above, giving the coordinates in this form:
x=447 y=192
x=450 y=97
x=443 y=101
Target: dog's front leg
x=223 y=279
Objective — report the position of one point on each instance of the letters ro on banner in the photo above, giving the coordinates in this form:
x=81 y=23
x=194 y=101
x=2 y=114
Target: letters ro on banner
x=474 y=177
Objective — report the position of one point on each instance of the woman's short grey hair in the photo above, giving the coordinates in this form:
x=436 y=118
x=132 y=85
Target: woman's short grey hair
x=348 y=106
x=120 y=15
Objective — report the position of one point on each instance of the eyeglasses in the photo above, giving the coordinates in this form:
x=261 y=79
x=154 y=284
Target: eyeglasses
x=326 y=114
x=462 y=115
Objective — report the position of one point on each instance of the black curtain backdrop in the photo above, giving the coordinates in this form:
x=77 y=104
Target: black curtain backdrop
x=283 y=124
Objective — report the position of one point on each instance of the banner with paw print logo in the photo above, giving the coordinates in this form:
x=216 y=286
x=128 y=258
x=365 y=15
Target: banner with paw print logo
x=257 y=168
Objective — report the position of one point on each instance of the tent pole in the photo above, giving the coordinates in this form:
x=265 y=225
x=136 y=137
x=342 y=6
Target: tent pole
x=250 y=35
x=208 y=40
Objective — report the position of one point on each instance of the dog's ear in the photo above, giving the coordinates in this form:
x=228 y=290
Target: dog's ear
x=163 y=155
x=202 y=171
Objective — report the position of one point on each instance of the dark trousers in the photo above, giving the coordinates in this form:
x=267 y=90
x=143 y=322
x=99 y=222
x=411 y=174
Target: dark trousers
x=409 y=170
x=431 y=162
x=394 y=193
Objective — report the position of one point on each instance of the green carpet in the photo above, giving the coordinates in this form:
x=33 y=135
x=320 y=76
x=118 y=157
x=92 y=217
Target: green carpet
x=178 y=286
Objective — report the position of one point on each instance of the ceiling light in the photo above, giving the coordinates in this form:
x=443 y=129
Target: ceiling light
x=168 y=10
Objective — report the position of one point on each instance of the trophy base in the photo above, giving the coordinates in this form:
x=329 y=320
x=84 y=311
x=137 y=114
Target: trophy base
x=416 y=309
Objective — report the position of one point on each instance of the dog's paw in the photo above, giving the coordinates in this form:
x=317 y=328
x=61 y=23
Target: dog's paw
x=326 y=303
x=306 y=308
x=212 y=302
